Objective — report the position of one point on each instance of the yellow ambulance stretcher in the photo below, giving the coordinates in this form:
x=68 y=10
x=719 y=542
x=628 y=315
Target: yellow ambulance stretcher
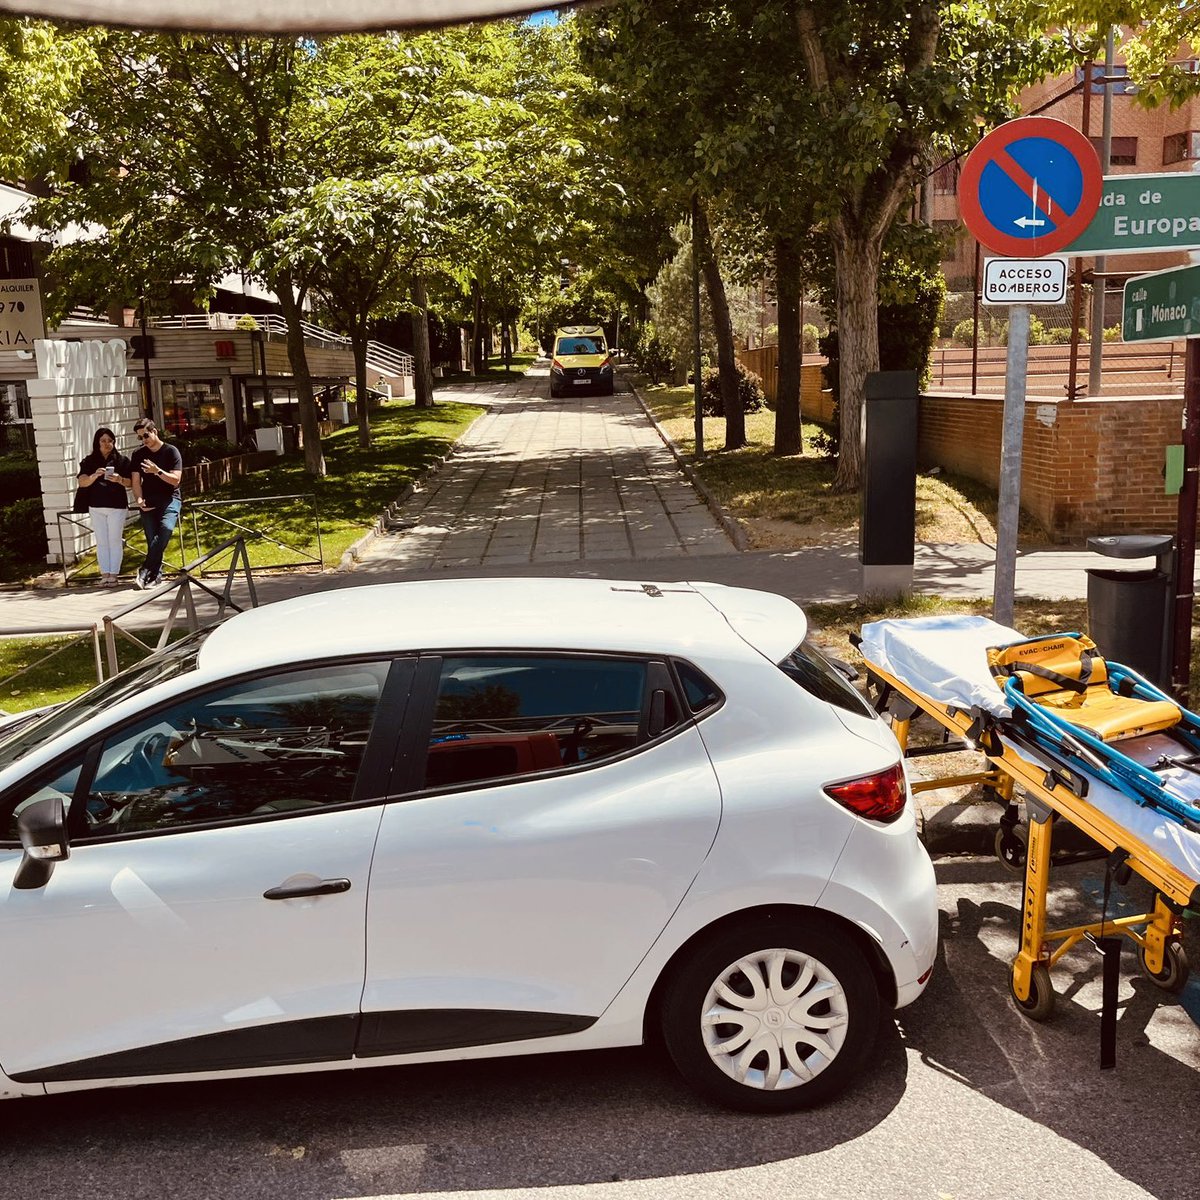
x=1087 y=741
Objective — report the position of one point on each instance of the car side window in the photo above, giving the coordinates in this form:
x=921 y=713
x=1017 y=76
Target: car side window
x=60 y=783
x=502 y=715
x=281 y=743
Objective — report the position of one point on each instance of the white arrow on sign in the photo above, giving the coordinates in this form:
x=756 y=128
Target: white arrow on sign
x=1024 y=222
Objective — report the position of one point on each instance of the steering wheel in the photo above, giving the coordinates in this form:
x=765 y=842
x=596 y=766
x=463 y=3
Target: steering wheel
x=574 y=740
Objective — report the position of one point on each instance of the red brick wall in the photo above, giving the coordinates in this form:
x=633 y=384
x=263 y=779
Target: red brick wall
x=1088 y=466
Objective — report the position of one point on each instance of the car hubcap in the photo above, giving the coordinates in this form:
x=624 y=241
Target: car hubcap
x=775 y=1019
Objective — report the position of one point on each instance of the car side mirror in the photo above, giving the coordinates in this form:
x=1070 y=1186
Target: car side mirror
x=42 y=828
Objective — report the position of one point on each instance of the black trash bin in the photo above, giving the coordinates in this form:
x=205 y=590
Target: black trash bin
x=1128 y=610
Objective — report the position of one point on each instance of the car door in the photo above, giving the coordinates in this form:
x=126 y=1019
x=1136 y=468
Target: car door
x=562 y=807
x=211 y=913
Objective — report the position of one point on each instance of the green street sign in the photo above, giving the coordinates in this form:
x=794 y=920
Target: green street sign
x=1138 y=213
x=1162 y=306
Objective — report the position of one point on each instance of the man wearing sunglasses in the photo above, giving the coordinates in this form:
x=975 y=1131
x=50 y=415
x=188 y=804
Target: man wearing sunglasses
x=156 y=469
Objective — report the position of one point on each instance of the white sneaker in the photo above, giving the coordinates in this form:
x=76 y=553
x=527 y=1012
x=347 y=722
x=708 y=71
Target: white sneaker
x=139 y=580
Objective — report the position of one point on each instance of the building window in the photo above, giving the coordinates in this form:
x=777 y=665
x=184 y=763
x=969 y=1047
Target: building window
x=1177 y=147
x=14 y=398
x=945 y=179
x=1120 y=86
x=1123 y=151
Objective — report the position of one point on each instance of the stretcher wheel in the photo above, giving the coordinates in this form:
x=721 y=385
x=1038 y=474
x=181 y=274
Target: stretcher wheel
x=1040 y=1005
x=1174 y=975
x=1012 y=847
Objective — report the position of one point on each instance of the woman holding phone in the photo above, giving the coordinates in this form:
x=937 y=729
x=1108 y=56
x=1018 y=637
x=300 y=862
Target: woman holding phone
x=104 y=475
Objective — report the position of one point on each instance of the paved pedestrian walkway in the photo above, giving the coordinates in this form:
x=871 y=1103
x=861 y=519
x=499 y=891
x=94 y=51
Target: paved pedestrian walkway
x=545 y=481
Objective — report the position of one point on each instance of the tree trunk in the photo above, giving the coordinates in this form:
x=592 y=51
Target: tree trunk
x=857 y=261
x=314 y=458
x=714 y=285
x=788 y=436
x=423 y=383
x=358 y=342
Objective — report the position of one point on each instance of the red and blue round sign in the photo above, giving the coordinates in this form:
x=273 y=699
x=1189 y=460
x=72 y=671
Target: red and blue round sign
x=1030 y=187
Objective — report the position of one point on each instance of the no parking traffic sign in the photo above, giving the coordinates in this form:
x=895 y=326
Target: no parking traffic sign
x=1030 y=187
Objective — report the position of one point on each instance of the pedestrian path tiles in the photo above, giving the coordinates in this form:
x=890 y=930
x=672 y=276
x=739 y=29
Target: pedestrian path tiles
x=551 y=480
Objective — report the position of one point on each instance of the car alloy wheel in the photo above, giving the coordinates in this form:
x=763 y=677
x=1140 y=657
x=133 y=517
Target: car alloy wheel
x=771 y=1016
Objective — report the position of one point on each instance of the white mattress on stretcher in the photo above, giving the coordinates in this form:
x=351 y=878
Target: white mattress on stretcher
x=945 y=659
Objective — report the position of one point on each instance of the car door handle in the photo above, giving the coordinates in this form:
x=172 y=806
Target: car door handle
x=323 y=887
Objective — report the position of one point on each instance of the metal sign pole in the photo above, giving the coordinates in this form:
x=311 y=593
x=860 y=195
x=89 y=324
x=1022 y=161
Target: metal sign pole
x=1185 y=535
x=1009 y=509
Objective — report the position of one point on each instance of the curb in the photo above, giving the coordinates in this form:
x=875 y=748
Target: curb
x=736 y=533
x=388 y=519
x=960 y=827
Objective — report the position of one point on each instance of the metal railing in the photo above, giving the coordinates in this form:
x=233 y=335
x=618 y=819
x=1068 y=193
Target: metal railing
x=208 y=509
x=103 y=634
x=952 y=365
x=380 y=357
x=174 y=558
x=191 y=578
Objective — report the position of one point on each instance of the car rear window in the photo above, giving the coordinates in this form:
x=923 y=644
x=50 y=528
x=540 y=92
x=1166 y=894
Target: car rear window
x=817 y=676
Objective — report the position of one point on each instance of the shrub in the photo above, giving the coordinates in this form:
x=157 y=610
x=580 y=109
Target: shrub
x=1112 y=333
x=1037 y=331
x=19 y=478
x=1058 y=336
x=964 y=332
x=653 y=358
x=23 y=531
x=808 y=339
x=749 y=388
x=246 y=321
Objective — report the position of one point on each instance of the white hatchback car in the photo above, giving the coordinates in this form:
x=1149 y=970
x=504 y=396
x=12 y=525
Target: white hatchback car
x=427 y=821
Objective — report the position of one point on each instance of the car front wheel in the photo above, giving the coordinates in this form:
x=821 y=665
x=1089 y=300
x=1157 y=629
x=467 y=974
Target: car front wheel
x=771 y=1016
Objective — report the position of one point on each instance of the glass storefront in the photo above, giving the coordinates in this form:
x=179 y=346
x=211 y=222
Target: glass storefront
x=277 y=403
x=193 y=409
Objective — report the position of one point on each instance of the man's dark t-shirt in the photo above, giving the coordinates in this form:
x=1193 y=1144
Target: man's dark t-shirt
x=157 y=492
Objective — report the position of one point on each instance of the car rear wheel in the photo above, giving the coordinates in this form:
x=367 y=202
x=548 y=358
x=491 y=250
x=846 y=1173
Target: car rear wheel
x=771 y=1016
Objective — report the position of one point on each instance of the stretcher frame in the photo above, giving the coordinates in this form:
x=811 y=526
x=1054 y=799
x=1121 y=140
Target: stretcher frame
x=1053 y=789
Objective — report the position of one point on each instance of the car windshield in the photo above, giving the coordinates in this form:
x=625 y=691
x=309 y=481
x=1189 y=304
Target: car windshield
x=170 y=663
x=580 y=345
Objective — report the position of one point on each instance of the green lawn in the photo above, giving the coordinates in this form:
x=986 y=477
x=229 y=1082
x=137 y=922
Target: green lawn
x=784 y=503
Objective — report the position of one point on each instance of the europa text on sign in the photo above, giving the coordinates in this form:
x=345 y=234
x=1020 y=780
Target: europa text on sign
x=1024 y=280
x=1162 y=306
x=1144 y=212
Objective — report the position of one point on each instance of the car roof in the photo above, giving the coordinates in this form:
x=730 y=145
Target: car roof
x=500 y=614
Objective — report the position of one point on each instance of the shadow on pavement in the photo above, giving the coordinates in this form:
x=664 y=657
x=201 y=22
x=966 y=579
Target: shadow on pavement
x=1140 y=1118
x=507 y=1123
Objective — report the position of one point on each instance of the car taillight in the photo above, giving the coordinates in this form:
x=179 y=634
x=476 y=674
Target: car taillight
x=878 y=797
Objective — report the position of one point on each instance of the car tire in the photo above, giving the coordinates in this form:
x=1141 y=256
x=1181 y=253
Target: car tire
x=813 y=1037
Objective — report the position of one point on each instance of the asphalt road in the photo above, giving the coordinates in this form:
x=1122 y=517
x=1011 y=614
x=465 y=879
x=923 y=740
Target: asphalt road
x=966 y=1101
